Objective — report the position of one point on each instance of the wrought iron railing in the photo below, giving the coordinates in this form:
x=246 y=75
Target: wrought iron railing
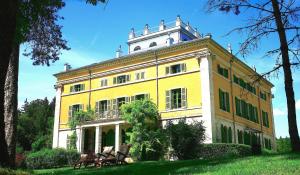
x=106 y=115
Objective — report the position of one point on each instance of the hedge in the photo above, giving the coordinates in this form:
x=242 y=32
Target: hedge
x=51 y=158
x=223 y=150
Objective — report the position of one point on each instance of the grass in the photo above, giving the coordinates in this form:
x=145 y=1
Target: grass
x=260 y=165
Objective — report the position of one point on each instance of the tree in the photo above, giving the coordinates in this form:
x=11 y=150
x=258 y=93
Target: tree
x=146 y=136
x=77 y=119
x=22 y=21
x=185 y=139
x=270 y=17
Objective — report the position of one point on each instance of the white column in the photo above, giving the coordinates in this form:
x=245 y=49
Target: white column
x=117 y=137
x=98 y=139
x=56 y=116
x=208 y=111
x=78 y=141
x=82 y=140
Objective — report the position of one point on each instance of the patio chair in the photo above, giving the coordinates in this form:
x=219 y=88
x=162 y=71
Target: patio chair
x=119 y=158
x=107 y=151
x=85 y=159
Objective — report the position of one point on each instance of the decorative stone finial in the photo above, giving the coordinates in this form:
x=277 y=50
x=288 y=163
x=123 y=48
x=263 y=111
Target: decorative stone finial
x=146 y=29
x=178 y=20
x=229 y=48
x=131 y=34
x=119 y=52
x=162 y=25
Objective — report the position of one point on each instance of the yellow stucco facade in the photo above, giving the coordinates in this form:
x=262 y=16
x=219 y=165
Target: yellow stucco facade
x=157 y=82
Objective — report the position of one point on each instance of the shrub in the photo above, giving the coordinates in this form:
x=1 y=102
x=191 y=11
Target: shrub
x=185 y=139
x=51 y=158
x=146 y=137
x=6 y=171
x=283 y=145
x=223 y=150
x=256 y=149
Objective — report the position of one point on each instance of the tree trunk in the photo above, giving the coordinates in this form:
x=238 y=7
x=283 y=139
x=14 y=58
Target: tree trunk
x=288 y=79
x=11 y=104
x=8 y=15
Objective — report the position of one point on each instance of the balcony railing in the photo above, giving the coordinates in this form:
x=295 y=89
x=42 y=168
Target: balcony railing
x=108 y=115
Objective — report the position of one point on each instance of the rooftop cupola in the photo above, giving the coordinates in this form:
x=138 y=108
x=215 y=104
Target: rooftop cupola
x=131 y=34
x=119 y=52
x=162 y=25
x=165 y=34
x=178 y=21
x=146 y=29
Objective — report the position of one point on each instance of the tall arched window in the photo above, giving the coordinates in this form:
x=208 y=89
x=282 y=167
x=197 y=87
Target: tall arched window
x=137 y=48
x=152 y=44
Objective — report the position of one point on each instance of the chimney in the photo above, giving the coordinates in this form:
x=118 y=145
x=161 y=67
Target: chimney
x=162 y=25
x=178 y=20
x=131 y=34
x=67 y=67
x=119 y=52
x=169 y=40
x=146 y=30
x=229 y=48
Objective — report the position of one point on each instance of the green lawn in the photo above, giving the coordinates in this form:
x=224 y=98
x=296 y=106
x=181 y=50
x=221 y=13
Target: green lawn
x=267 y=164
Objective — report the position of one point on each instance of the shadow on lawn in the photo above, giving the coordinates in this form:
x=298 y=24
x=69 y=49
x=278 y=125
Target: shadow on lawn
x=147 y=168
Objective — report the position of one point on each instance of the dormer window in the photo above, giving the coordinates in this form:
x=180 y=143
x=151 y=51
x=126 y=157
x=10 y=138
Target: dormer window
x=153 y=44
x=137 y=48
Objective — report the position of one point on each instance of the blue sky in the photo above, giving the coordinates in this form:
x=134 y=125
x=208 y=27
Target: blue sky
x=94 y=33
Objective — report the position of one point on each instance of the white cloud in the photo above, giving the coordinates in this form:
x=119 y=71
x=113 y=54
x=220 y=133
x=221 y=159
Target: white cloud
x=298 y=104
x=279 y=112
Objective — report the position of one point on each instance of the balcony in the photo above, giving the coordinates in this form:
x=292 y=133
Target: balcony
x=108 y=115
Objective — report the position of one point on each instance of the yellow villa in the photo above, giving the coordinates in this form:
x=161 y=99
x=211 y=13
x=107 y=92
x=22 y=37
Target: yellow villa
x=186 y=74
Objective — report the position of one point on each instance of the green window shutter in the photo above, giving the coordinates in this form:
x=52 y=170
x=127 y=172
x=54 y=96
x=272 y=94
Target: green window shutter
x=72 y=89
x=183 y=67
x=97 y=109
x=147 y=96
x=114 y=106
x=225 y=134
x=256 y=115
x=168 y=100
x=167 y=70
x=221 y=99
x=238 y=106
x=229 y=135
x=127 y=78
x=142 y=75
x=183 y=98
x=82 y=87
x=227 y=102
x=70 y=113
x=81 y=107
x=267 y=120
x=226 y=73
x=115 y=80
x=108 y=105
x=235 y=79
x=132 y=98
x=222 y=134
x=126 y=100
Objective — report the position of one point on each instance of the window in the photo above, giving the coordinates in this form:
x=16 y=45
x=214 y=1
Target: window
x=177 y=68
x=224 y=100
x=176 y=98
x=244 y=85
x=102 y=107
x=226 y=134
x=265 y=118
x=268 y=144
x=263 y=95
x=137 y=48
x=140 y=97
x=246 y=110
x=240 y=137
x=223 y=71
x=140 y=75
x=74 y=108
x=121 y=79
x=153 y=44
x=77 y=88
x=103 y=82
